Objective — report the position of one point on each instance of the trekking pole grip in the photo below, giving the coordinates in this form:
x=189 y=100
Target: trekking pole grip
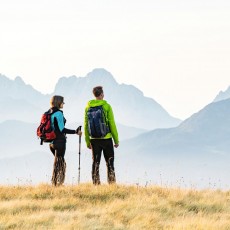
x=78 y=129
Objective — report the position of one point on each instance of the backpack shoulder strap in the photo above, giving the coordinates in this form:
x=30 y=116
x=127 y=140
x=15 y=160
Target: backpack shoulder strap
x=104 y=114
x=53 y=110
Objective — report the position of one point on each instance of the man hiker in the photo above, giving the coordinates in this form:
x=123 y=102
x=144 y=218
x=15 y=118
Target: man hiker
x=100 y=133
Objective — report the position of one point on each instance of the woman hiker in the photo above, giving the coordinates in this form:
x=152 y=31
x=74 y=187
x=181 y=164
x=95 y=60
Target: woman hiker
x=58 y=145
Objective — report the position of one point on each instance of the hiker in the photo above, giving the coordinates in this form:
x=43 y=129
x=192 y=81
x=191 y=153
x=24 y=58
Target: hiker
x=100 y=134
x=58 y=145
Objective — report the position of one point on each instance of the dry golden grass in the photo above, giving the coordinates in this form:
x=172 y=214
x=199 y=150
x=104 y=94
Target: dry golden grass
x=112 y=207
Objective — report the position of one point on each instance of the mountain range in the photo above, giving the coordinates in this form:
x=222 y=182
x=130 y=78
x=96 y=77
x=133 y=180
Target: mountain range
x=203 y=131
x=198 y=150
x=131 y=108
x=190 y=153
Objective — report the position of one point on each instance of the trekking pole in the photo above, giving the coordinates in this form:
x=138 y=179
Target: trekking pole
x=79 y=165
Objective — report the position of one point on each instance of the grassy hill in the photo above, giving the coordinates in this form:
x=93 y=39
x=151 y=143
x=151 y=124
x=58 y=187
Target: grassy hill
x=112 y=207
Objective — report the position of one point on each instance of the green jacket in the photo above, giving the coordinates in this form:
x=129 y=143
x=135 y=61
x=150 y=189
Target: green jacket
x=109 y=116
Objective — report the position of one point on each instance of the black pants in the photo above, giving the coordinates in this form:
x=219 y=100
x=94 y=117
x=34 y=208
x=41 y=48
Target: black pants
x=105 y=145
x=59 y=167
x=58 y=149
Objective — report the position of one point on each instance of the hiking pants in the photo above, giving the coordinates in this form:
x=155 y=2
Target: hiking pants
x=59 y=167
x=105 y=145
x=58 y=149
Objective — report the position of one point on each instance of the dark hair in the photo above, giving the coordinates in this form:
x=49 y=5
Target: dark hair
x=97 y=91
x=56 y=101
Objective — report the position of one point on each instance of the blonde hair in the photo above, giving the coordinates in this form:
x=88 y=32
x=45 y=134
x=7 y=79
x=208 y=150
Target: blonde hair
x=56 y=101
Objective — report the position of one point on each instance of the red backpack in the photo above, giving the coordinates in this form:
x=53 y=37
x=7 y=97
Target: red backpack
x=45 y=131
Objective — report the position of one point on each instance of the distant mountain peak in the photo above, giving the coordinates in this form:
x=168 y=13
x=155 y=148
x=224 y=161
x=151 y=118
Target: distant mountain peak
x=101 y=75
x=3 y=78
x=19 y=80
x=222 y=95
x=100 y=71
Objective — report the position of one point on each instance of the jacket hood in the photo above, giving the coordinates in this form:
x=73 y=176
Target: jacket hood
x=94 y=103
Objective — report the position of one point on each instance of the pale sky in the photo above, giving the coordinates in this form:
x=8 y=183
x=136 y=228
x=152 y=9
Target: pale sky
x=175 y=51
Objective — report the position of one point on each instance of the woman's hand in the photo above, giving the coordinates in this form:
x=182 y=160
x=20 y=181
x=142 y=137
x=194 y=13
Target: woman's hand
x=78 y=131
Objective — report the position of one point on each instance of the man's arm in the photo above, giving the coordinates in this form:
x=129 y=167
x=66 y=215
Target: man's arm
x=87 y=138
x=113 y=127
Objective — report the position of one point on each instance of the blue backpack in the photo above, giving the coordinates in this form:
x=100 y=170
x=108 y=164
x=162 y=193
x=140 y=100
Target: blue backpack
x=97 y=125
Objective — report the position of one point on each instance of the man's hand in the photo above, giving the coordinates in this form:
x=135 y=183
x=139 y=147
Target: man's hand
x=116 y=145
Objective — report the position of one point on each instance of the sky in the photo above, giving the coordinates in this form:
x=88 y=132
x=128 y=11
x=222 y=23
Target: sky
x=176 y=52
